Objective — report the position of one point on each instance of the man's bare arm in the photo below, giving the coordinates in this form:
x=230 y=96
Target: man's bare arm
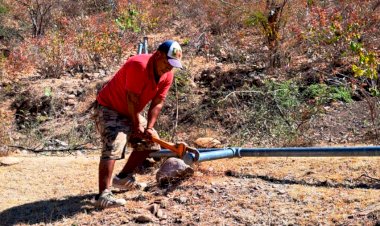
x=154 y=111
x=133 y=102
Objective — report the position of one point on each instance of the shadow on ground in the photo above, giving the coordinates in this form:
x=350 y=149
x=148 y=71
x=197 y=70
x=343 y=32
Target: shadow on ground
x=363 y=185
x=47 y=211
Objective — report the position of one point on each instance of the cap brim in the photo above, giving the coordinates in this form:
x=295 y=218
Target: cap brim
x=175 y=63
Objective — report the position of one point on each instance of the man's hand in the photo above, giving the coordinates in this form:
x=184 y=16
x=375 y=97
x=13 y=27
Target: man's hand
x=138 y=129
x=151 y=132
x=137 y=134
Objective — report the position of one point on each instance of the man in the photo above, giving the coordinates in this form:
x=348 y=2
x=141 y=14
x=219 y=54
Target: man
x=142 y=79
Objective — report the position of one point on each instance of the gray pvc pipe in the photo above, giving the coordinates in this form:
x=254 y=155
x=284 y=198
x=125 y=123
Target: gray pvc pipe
x=145 y=45
x=220 y=153
x=140 y=48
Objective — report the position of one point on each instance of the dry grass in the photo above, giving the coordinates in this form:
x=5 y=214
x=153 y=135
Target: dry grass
x=58 y=190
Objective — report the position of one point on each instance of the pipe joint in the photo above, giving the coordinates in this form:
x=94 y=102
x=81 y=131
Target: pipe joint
x=236 y=151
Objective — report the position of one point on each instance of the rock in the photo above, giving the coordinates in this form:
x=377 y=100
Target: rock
x=198 y=174
x=212 y=190
x=154 y=208
x=192 y=84
x=164 y=203
x=60 y=143
x=161 y=214
x=143 y=219
x=257 y=81
x=102 y=73
x=181 y=200
x=173 y=170
x=71 y=96
x=143 y=186
x=207 y=142
x=17 y=136
x=139 y=197
x=7 y=161
x=71 y=102
x=223 y=53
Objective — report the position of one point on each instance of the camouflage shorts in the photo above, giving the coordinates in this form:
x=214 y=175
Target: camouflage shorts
x=114 y=130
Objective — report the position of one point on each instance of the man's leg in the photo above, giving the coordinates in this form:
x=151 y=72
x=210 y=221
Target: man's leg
x=135 y=160
x=113 y=146
x=105 y=173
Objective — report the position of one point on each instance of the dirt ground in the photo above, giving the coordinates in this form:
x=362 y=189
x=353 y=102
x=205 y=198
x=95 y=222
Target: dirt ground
x=58 y=190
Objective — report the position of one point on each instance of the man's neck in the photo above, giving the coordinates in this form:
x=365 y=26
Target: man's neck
x=155 y=74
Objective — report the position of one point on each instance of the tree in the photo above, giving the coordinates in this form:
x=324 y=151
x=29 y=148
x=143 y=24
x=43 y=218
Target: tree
x=39 y=12
x=270 y=21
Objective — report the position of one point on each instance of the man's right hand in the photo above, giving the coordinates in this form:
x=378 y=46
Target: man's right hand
x=137 y=134
x=139 y=129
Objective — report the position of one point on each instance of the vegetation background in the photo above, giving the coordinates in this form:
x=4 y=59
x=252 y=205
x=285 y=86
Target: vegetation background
x=257 y=73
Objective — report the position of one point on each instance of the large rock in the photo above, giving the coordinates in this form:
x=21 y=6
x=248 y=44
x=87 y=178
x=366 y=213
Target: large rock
x=172 y=171
x=207 y=142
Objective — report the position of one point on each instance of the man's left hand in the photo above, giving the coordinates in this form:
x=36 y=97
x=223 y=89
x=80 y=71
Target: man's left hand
x=151 y=132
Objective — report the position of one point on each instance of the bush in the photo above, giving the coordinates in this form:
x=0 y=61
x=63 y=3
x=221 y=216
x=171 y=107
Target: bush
x=323 y=94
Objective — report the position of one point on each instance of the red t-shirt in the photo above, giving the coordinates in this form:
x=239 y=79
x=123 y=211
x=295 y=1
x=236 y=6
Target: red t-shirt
x=135 y=76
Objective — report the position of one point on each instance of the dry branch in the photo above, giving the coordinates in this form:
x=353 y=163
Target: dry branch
x=39 y=150
x=243 y=91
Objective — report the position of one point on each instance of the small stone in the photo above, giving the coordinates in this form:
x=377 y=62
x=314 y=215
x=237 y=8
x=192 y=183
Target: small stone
x=164 y=203
x=212 y=190
x=182 y=200
x=143 y=186
x=223 y=53
x=140 y=197
x=258 y=81
x=102 y=73
x=60 y=143
x=154 y=208
x=8 y=161
x=71 y=96
x=71 y=102
x=143 y=219
x=198 y=174
x=161 y=214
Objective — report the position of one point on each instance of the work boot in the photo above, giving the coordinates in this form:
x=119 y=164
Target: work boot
x=107 y=200
x=126 y=183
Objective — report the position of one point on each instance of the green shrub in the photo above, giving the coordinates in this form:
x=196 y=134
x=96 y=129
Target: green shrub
x=324 y=94
x=340 y=93
x=129 y=20
x=3 y=9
